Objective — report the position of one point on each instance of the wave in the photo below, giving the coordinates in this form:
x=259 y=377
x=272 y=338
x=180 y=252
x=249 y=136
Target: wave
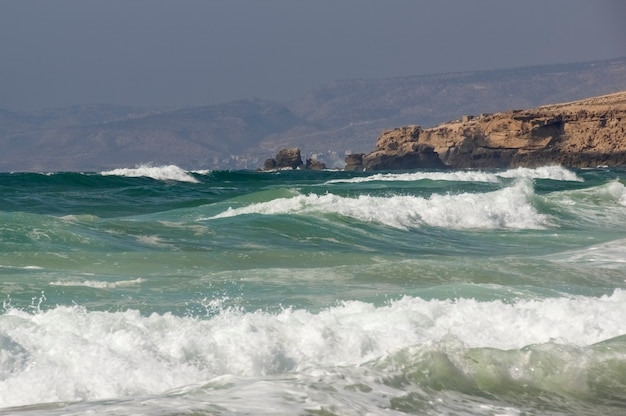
x=21 y=267
x=509 y=207
x=602 y=205
x=98 y=284
x=564 y=378
x=69 y=353
x=555 y=173
x=161 y=173
x=609 y=255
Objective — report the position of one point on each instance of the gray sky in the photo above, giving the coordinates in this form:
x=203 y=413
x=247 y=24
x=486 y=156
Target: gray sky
x=197 y=52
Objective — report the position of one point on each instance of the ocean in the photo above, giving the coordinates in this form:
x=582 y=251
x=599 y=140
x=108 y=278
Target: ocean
x=159 y=291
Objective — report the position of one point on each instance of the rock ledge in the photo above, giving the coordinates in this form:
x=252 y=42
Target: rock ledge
x=585 y=133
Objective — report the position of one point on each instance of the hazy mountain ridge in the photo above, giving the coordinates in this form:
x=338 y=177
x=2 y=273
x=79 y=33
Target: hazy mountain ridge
x=199 y=137
x=432 y=99
x=342 y=116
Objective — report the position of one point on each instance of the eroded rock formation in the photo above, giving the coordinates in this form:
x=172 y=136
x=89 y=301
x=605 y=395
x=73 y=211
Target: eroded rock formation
x=314 y=164
x=285 y=158
x=291 y=158
x=584 y=133
x=354 y=161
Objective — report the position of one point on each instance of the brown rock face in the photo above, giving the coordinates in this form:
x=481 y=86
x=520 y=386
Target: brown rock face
x=269 y=164
x=313 y=164
x=354 y=162
x=584 y=133
x=401 y=149
x=289 y=158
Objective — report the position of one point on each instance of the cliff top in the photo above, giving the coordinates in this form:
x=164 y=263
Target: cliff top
x=601 y=104
x=583 y=133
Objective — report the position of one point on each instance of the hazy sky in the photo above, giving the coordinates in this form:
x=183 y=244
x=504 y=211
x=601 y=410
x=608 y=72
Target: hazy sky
x=195 y=52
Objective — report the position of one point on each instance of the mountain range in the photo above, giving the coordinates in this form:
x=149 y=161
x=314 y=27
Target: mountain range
x=326 y=123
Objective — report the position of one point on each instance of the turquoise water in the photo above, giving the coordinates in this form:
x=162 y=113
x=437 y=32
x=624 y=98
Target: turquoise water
x=160 y=291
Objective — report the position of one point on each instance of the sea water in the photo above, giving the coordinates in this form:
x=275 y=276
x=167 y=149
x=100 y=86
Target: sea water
x=159 y=291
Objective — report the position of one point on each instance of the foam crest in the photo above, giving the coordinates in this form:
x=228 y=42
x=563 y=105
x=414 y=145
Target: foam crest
x=21 y=267
x=613 y=191
x=618 y=191
x=456 y=176
x=506 y=208
x=70 y=354
x=556 y=173
x=161 y=173
x=97 y=284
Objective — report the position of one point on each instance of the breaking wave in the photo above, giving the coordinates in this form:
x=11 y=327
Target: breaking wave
x=555 y=173
x=69 y=354
x=510 y=207
x=160 y=173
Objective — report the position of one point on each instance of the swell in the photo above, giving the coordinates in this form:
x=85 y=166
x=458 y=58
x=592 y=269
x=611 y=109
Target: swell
x=557 y=378
x=509 y=220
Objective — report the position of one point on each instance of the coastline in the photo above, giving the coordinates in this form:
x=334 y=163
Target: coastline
x=578 y=134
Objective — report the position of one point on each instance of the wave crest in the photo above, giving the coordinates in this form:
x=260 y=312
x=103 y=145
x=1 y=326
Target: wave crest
x=69 y=353
x=506 y=208
x=555 y=173
x=160 y=173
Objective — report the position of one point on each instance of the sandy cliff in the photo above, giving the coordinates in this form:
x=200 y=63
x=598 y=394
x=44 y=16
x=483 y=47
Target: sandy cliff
x=584 y=133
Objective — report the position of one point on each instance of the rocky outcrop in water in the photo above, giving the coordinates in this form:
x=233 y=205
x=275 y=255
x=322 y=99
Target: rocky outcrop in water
x=585 y=133
x=354 y=162
x=292 y=159
x=314 y=164
x=285 y=158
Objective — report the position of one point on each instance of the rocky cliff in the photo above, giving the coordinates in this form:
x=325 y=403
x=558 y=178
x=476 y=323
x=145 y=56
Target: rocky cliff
x=585 y=133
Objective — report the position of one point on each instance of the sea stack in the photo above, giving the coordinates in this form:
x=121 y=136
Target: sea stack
x=291 y=159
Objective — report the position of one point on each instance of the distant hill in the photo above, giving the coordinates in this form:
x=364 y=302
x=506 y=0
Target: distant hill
x=351 y=114
x=115 y=136
x=342 y=116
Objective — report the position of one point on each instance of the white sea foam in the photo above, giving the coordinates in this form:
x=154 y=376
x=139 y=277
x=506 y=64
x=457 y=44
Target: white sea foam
x=203 y=171
x=618 y=191
x=152 y=240
x=71 y=354
x=80 y=218
x=21 y=267
x=161 y=173
x=457 y=176
x=556 y=173
x=506 y=208
x=98 y=284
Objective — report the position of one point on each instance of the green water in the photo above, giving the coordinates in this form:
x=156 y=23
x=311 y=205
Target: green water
x=160 y=291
